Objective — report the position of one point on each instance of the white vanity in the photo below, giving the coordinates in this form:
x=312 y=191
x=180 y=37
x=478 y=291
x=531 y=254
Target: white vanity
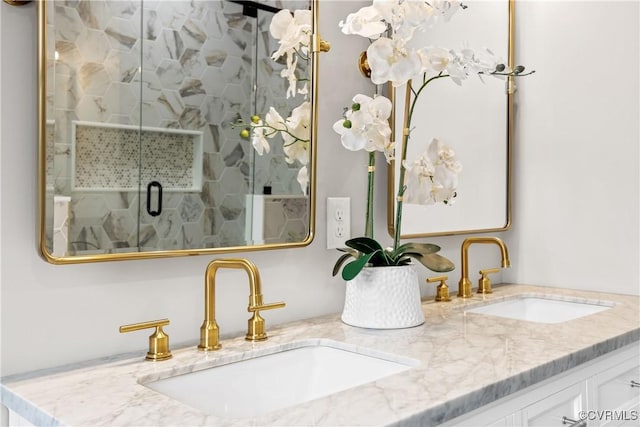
x=459 y=368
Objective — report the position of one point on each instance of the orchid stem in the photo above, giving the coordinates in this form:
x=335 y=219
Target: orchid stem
x=409 y=106
x=371 y=174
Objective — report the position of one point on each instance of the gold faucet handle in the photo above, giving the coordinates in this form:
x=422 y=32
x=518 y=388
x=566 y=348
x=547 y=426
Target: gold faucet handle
x=442 y=291
x=158 y=340
x=484 y=284
x=262 y=307
x=256 y=329
x=256 y=304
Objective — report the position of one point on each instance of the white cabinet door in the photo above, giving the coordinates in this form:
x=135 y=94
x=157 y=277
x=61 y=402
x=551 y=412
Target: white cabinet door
x=617 y=395
x=503 y=422
x=606 y=382
x=552 y=410
x=16 y=420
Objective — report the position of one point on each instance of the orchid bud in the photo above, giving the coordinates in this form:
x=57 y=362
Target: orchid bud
x=347 y=124
x=255 y=119
x=355 y=106
x=518 y=69
x=244 y=133
x=500 y=68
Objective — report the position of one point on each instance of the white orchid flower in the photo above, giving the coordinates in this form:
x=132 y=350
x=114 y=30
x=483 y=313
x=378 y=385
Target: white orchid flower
x=299 y=123
x=434 y=59
x=375 y=113
x=296 y=138
x=419 y=181
x=446 y=8
x=297 y=151
x=409 y=16
x=293 y=32
x=378 y=107
x=366 y=22
x=289 y=73
x=258 y=138
x=302 y=18
x=274 y=120
x=391 y=62
x=304 y=90
x=280 y=23
x=303 y=179
x=351 y=139
x=367 y=126
x=433 y=177
x=261 y=130
x=458 y=68
x=483 y=62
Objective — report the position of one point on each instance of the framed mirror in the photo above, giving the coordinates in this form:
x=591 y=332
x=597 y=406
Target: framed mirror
x=17 y=2
x=474 y=119
x=146 y=132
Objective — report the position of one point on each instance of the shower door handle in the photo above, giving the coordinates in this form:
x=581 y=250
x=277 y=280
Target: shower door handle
x=158 y=210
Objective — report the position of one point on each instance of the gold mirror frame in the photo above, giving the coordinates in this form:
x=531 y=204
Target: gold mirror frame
x=391 y=179
x=17 y=2
x=317 y=45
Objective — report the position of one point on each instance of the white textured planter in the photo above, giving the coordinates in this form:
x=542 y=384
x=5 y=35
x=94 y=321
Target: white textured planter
x=383 y=298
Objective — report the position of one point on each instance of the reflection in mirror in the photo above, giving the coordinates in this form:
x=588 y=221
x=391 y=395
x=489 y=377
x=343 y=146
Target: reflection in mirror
x=141 y=153
x=473 y=119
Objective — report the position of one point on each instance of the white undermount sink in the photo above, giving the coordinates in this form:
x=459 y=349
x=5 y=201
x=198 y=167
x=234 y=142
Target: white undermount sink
x=259 y=385
x=542 y=309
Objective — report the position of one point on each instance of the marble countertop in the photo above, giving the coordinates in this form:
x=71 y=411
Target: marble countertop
x=466 y=360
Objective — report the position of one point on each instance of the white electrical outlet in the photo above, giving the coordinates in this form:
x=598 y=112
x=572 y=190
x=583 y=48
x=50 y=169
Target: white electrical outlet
x=338 y=221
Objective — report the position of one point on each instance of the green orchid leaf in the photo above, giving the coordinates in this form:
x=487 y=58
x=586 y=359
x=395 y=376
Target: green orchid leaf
x=420 y=248
x=406 y=260
x=368 y=245
x=341 y=261
x=365 y=245
x=352 y=269
x=405 y=255
x=435 y=262
x=354 y=253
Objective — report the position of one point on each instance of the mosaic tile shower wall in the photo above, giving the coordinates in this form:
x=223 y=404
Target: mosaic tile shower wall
x=183 y=65
x=106 y=157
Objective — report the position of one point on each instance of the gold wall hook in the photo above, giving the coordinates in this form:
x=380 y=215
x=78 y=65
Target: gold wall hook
x=158 y=340
x=325 y=46
x=319 y=44
x=442 y=291
x=484 y=284
x=363 y=64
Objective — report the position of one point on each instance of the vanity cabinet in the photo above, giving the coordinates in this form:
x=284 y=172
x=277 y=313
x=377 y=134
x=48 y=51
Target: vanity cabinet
x=566 y=403
x=613 y=390
x=601 y=391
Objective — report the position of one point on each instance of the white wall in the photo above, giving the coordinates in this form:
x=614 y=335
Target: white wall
x=53 y=315
x=3 y=411
x=58 y=314
x=577 y=159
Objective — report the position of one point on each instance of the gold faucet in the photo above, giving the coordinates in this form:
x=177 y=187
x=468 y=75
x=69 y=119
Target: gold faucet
x=209 y=331
x=464 y=286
